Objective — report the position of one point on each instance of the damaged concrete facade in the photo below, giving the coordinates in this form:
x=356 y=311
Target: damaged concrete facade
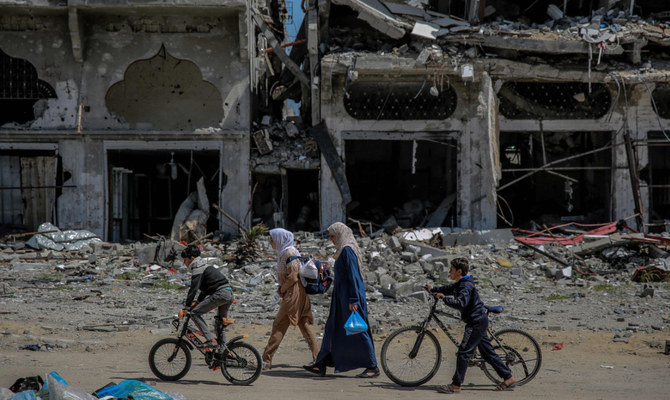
x=113 y=110
x=467 y=114
x=448 y=114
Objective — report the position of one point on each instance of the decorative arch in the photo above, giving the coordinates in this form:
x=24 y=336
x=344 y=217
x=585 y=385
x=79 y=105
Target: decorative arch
x=167 y=93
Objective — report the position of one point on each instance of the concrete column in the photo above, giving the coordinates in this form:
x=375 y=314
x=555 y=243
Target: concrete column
x=83 y=207
x=641 y=120
x=332 y=203
x=478 y=163
x=235 y=194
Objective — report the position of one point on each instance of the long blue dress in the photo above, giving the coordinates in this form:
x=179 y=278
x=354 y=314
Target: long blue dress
x=337 y=349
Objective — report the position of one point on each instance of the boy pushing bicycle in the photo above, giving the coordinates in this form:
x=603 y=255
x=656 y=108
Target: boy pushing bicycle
x=464 y=297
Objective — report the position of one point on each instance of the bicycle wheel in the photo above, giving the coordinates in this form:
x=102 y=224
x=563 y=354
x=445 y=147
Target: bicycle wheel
x=169 y=359
x=397 y=362
x=242 y=364
x=520 y=352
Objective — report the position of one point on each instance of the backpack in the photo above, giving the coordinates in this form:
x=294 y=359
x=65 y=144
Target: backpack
x=315 y=275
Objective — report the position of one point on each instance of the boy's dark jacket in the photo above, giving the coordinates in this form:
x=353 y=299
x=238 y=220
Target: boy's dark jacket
x=204 y=277
x=465 y=299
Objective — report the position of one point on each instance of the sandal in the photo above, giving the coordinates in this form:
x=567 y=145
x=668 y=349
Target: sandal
x=369 y=373
x=319 y=370
x=505 y=386
x=449 y=389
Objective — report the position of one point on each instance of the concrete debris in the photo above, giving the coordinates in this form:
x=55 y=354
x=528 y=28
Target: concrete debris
x=113 y=278
x=426 y=30
x=262 y=140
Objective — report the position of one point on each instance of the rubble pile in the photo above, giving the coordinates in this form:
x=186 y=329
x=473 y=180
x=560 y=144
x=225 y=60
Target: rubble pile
x=111 y=287
x=281 y=144
x=612 y=26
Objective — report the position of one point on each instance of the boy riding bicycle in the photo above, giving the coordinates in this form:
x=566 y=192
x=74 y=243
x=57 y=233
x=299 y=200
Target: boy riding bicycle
x=215 y=292
x=466 y=299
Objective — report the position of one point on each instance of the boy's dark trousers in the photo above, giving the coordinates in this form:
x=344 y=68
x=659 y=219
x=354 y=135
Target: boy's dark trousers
x=475 y=336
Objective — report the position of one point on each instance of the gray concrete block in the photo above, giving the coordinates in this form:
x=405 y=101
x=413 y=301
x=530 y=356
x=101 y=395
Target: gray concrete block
x=478 y=237
x=146 y=254
x=408 y=256
x=411 y=269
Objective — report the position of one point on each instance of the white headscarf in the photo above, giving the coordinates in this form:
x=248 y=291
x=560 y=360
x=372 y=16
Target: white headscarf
x=283 y=240
x=344 y=237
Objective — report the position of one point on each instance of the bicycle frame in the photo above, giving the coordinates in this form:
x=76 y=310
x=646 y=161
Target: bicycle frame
x=189 y=336
x=432 y=316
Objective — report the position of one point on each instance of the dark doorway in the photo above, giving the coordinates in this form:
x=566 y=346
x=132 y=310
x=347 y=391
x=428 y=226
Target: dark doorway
x=303 y=199
x=267 y=199
x=147 y=187
x=288 y=199
x=403 y=179
x=659 y=182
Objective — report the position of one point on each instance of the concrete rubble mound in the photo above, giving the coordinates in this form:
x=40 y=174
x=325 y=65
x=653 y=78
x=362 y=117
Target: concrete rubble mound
x=614 y=282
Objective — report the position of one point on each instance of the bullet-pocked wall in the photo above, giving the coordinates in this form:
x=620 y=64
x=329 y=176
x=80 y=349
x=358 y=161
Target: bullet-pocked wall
x=411 y=151
x=165 y=72
x=118 y=77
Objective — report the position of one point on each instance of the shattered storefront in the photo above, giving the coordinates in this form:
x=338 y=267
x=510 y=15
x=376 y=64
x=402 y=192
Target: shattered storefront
x=460 y=117
x=112 y=112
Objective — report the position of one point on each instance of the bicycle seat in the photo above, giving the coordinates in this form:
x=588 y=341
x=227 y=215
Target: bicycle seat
x=495 y=309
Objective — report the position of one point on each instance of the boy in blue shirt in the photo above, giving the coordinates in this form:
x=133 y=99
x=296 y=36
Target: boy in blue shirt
x=464 y=298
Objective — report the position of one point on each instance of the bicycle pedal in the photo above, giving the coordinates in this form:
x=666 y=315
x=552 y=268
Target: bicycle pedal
x=228 y=321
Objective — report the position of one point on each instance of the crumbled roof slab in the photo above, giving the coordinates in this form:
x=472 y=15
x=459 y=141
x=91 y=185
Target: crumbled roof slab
x=374 y=13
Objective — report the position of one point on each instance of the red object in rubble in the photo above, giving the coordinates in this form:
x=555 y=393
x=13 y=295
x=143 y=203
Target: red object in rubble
x=545 y=236
x=558 y=346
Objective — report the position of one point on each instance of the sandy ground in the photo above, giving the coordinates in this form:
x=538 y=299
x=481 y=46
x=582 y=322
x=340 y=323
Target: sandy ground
x=589 y=366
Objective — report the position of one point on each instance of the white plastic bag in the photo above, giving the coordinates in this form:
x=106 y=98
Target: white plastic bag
x=308 y=269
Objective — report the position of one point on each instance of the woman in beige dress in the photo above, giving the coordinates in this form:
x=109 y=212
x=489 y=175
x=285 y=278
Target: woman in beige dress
x=295 y=308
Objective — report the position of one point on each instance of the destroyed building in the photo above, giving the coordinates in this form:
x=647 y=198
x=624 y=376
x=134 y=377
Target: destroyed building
x=467 y=114
x=113 y=110
x=482 y=114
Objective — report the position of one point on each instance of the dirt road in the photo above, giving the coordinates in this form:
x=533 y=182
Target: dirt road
x=589 y=366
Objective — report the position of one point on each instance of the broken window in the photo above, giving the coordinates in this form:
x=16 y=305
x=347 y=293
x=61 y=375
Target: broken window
x=164 y=92
x=661 y=99
x=401 y=179
x=572 y=187
x=148 y=187
x=20 y=90
x=399 y=101
x=566 y=100
x=659 y=181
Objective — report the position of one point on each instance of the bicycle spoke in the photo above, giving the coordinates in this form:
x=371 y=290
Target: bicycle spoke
x=519 y=352
x=241 y=364
x=403 y=369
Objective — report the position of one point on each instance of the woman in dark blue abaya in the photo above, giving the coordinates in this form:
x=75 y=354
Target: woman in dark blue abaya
x=339 y=350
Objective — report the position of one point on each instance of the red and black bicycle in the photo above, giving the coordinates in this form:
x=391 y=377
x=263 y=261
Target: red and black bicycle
x=170 y=358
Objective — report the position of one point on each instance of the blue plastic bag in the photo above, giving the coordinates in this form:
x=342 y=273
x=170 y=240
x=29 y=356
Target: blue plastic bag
x=139 y=391
x=25 y=395
x=355 y=324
